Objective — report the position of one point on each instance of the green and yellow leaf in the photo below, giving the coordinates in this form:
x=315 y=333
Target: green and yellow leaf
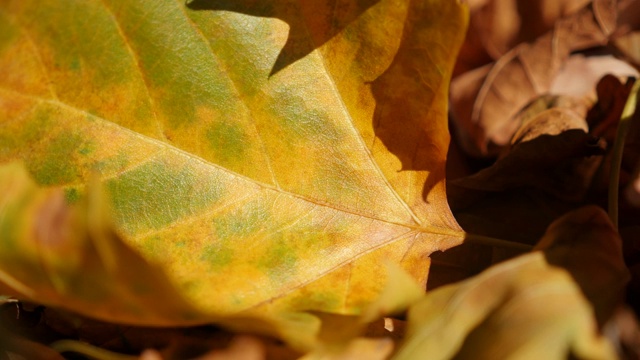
x=267 y=156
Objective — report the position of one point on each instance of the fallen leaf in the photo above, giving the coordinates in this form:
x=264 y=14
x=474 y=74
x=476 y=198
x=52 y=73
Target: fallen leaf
x=521 y=215
x=549 y=115
x=361 y=338
x=522 y=308
x=484 y=101
x=580 y=74
x=605 y=114
x=496 y=26
x=587 y=245
x=561 y=165
x=604 y=118
x=628 y=17
x=266 y=159
x=20 y=348
x=629 y=45
x=505 y=24
x=51 y=249
x=532 y=306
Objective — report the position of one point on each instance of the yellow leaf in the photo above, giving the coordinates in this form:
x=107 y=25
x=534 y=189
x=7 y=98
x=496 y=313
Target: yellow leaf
x=268 y=156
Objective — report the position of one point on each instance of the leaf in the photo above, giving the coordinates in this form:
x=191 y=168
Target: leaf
x=586 y=243
x=258 y=184
x=501 y=25
x=498 y=315
x=532 y=306
x=344 y=337
x=52 y=249
x=560 y=164
x=59 y=254
x=360 y=348
x=485 y=100
x=629 y=45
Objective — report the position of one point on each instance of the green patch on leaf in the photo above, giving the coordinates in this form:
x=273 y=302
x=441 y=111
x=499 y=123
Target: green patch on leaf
x=157 y=194
x=229 y=139
x=56 y=166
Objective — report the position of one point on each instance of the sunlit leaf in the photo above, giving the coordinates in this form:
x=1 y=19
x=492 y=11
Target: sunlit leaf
x=267 y=155
x=522 y=308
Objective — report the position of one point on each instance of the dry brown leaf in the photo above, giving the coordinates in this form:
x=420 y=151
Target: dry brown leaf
x=623 y=330
x=485 y=101
x=241 y=348
x=550 y=115
x=550 y=150
x=521 y=215
x=603 y=119
x=496 y=26
x=505 y=24
x=562 y=165
x=628 y=16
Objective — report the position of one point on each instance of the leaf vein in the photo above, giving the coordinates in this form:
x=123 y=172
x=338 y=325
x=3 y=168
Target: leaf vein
x=169 y=147
x=361 y=141
x=136 y=61
x=237 y=92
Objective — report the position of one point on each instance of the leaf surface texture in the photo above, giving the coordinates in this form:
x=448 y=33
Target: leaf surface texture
x=264 y=154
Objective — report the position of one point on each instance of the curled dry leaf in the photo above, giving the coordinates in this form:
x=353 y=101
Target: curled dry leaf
x=623 y=329
x=485 y=100
x=629 y=45
x=604 y=118
x=549 y=115
x=528 y=307
x=548 y=168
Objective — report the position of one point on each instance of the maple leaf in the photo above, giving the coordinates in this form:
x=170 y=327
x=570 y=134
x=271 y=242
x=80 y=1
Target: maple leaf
x=257 y=185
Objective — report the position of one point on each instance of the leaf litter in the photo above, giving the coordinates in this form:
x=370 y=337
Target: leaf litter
x=552 y=136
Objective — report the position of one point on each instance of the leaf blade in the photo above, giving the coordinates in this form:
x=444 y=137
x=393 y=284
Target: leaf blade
x=199 y=176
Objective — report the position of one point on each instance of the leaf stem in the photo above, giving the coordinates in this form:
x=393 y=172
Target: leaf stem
x=88 y=350
x=490 y=241
x=618 y=147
